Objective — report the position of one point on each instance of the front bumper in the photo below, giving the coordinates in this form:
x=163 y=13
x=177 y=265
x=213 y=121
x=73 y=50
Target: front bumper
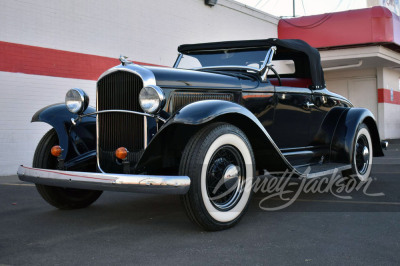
x=100 y=181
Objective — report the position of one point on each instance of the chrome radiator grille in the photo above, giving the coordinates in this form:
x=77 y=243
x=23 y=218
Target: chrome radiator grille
x=180 y=99
x=119 y=90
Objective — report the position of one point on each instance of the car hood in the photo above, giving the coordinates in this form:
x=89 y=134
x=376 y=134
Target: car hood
x=181 y=78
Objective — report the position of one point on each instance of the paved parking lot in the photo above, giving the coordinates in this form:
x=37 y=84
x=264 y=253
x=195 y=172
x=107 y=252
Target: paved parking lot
x=123 y=228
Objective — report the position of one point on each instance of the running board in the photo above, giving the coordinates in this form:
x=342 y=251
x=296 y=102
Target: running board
x=318 y=170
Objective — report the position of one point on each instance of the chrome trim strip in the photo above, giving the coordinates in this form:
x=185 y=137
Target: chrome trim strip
x=279 y=89
x=122 y=111
x=295 y=153
x=283 y=150
x=148 y=79
x=145 y=131
x=227 y=67
x=97 y=135
x=326 y=172
x=98 y=181
x=145 y=74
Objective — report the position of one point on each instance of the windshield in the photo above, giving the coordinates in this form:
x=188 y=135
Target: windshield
x=245 y=58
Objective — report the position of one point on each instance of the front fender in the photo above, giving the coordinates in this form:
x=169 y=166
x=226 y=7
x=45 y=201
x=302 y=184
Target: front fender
x=345 y=133
x=74 y=139
x=204 y=111
x=167 y=145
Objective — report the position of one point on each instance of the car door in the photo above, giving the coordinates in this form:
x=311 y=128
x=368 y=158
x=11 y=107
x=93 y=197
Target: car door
x=291 y=125
x=292 y=120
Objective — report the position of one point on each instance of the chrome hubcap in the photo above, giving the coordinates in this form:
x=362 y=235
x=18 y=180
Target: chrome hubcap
x=231 y=175
x=362 y=155
x=225 y=179
x=365 y=153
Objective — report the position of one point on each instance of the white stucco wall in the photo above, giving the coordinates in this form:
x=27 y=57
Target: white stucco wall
x=389 y=79
x=359 y=86
x=367 y=75
x=146 y=31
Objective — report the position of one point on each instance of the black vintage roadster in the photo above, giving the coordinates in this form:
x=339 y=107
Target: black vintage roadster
x=204 y=129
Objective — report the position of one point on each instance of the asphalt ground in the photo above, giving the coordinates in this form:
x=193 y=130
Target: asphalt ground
x=125 y=229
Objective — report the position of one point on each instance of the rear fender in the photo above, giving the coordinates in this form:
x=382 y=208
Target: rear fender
x=74 y=139
x=345 y=133
x=165 y=149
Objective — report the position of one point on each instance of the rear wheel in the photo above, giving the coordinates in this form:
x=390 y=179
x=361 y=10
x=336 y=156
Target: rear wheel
x=62 y=198
x=362 y=155
x=220 y=163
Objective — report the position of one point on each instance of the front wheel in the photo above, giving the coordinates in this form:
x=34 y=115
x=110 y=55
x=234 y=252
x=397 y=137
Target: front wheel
x=62 y=198
x=362 y=155
x=220 y=163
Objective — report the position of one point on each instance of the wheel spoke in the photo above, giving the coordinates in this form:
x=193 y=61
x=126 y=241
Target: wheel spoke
x=362 y=154
x=223 y=193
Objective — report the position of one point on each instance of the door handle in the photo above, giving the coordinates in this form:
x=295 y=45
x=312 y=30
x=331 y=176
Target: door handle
x=309 y=105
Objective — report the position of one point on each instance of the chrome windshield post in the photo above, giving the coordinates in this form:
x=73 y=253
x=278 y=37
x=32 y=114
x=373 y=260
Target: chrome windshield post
x=267 y=63
x=178 y=60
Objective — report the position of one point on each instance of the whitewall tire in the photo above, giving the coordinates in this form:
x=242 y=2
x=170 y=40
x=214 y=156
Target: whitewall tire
x=220 y=162
x=362 y=155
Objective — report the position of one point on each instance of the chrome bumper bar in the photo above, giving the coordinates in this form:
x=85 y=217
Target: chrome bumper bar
x=100 y=181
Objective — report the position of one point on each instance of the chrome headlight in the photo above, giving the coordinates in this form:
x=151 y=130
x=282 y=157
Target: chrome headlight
x=151 y=99
x=76 y=101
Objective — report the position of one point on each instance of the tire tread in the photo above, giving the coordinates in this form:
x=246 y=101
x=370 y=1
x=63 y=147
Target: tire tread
x=188 y=158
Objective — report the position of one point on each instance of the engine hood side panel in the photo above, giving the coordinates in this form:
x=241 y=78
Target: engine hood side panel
x=180 y=78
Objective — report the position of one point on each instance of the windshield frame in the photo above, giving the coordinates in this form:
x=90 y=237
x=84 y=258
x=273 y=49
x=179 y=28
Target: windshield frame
x=266 y=62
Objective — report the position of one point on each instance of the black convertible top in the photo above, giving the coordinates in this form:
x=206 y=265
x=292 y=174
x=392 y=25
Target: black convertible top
x=307 y=59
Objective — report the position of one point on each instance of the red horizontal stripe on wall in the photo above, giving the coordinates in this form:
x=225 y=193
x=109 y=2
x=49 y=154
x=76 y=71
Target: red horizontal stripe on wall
x=384 y=96
x=19 y=58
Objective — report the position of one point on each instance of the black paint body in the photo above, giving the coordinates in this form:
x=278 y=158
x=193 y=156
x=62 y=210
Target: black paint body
x=287 y=126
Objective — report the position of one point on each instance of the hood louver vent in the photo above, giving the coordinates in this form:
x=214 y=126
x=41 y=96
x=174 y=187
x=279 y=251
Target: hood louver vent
x=181 y=99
